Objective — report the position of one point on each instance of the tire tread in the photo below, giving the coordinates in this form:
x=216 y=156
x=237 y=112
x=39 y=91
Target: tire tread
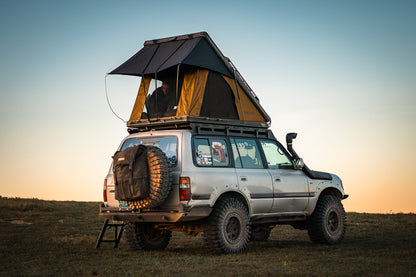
x=316 y=223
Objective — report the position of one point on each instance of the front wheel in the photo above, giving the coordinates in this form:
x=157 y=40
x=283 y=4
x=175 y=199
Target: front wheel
x=227 y=229
x=144 y=236
x=327 y=223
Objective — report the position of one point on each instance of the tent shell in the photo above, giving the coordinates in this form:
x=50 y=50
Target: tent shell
x=185 y=116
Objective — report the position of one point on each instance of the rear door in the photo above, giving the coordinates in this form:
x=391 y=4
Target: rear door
x=290 y=186
x=213 y=173
x=253 y=179
x=169 y=145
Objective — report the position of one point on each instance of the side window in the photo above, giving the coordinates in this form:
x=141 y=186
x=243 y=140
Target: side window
x=248 y=153
x=219 y=152
x=237 y=159
x=275 y=156
x=211 y=152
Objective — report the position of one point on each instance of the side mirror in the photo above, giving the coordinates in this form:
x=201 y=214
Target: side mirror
x=299 y=164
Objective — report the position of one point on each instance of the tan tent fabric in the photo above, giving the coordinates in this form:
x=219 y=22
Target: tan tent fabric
x=140 y=99
x=192 y=95
x=193 y=88
x=246 y=109
x=238 y=105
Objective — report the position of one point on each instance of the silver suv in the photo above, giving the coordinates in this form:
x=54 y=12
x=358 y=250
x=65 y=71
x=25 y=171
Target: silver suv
x=232 y=184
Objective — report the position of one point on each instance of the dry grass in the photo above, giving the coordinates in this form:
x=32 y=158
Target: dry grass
x=51 y=238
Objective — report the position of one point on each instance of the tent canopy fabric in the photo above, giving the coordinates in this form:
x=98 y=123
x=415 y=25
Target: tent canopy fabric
x=198 y=81
x=155 y=57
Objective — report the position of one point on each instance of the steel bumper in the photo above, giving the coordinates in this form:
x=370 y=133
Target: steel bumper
x=179 y=214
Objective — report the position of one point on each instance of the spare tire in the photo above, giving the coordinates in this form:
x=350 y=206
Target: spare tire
x=159 y=180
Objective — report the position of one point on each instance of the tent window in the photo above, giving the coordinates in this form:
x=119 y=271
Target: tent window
x=161 y=100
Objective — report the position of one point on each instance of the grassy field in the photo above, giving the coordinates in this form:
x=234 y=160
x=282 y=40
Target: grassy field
x=55 y=238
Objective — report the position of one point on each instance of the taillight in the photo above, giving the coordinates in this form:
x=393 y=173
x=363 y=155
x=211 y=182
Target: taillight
x=105 y=190
x=184 y=188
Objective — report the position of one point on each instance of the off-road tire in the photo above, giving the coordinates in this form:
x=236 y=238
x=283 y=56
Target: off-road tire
x=327 y=223
x=159 y=180
x=144 y=236
x=227 y=229
x=260 y=233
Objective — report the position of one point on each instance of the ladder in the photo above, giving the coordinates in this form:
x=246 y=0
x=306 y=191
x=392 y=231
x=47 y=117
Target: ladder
x=117 y=233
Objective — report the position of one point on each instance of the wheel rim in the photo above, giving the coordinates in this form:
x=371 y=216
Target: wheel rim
x=233 y=228
x=333 y=222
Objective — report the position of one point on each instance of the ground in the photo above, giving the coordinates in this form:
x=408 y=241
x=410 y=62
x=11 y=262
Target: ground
x=54 y=238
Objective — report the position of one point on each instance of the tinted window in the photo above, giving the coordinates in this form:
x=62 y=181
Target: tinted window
x=237 y=159
x=249 y=156
x=275 y=156
x=211 y=152
x=166 y=144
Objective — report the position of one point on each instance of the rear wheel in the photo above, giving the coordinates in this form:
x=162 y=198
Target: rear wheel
x=327 y=223
x=144 y=236
x=227 y=229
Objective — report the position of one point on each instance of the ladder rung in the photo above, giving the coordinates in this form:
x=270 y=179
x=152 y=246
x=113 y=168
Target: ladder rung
x=117 y=235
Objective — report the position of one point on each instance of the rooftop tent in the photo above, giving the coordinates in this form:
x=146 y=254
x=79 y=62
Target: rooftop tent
x=198 y=83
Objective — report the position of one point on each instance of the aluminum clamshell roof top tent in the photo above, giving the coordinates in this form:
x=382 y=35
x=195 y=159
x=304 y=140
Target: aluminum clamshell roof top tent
x=161 y=57
x=158 y=55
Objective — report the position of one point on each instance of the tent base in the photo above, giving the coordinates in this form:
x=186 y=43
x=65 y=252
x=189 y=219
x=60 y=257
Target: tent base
x=200 y=125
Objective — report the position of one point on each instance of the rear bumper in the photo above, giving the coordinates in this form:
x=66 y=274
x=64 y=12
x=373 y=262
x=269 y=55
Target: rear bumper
x=178 y=214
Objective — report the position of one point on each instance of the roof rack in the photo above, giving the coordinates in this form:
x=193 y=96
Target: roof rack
x=212 y=129
x=204 y=126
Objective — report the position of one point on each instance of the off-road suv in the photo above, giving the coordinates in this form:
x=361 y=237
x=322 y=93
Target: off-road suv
x=233 y=184
x=200 y=157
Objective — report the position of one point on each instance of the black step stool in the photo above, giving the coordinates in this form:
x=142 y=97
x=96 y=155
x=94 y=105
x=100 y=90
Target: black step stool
x=117 y=234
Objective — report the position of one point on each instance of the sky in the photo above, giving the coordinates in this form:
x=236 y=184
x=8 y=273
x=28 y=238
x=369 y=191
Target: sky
x=342 y=74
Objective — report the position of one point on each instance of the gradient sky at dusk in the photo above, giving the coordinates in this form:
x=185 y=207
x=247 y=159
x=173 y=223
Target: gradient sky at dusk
x=342 y=74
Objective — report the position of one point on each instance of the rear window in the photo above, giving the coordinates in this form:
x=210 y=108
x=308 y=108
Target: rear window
x=168 y=144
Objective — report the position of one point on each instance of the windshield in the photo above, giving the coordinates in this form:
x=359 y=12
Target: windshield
x=167 y=144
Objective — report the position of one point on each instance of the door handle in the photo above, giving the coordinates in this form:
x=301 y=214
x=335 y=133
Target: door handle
x=243 y=178
x=277 y=180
